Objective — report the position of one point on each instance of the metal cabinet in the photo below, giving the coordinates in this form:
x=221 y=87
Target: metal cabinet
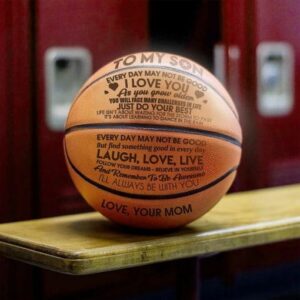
x=262 y=50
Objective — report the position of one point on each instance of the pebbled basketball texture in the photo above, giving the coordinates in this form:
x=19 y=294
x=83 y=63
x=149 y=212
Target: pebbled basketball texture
x=152 y=140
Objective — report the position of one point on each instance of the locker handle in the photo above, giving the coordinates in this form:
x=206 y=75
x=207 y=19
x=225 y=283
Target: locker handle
x=275 y=79
x=66 y=69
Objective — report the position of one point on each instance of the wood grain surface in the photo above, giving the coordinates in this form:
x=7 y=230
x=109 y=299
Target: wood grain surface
x=88 y=243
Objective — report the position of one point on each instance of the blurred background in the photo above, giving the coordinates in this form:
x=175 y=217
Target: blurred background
x=48 y=48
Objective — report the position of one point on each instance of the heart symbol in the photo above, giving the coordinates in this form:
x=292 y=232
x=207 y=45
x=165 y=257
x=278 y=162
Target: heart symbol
x=105 y=92
x=199 y=94
x=113 y=86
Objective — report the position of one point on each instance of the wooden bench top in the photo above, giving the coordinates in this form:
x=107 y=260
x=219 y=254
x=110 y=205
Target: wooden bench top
x=88 y=243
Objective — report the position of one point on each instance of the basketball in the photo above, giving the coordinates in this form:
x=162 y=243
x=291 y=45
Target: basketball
x=152 y=140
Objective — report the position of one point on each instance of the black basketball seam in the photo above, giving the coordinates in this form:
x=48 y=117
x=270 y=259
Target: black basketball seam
x=149 y=197
x=161 y=67
x=155 y=127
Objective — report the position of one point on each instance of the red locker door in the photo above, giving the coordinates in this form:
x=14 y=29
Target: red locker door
x=15 y=112
x=16 y=201
x=278 y=131
x=105 y=29
x=271 y=146
x=237 y=30
x=4 y=152
x=263 y=54
x=4 y=112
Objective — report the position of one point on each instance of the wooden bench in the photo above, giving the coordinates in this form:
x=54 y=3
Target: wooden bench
x=88 y=243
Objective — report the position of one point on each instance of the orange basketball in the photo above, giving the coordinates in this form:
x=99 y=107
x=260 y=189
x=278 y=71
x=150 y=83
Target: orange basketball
x=152 y=140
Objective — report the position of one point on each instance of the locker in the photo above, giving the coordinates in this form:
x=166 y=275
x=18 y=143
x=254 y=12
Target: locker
x=73 y=39
x=278 y=128
x=16 y=151
x=15 y=112
x=4 y=150
x=4 y=113
x=237 y=24
x=79 y=37
x=262 y=53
